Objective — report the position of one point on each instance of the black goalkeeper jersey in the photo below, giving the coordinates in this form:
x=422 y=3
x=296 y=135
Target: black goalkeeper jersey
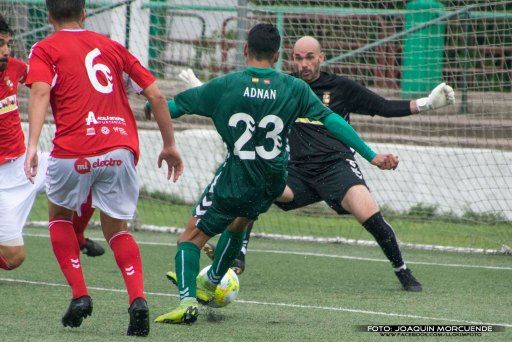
x=312 y=147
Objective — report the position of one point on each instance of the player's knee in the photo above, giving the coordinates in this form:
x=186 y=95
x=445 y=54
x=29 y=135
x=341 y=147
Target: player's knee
x=14 y=260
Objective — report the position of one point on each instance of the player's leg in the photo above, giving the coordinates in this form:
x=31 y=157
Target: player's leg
x=227 y=250
x=12 y=254
x=359 y=202
x=17 y=196
x=297 y=194
x=67 y=252
x=115 y=192
x=345 y=181
x=187 y=269
x=80 y=222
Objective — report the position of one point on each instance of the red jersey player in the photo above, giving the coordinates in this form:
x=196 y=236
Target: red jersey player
x=80 y=73
x=17 y=194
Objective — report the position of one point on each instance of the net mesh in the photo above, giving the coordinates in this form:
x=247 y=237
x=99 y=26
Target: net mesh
x=455 y=163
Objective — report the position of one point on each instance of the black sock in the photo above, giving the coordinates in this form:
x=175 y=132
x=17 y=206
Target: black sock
x=245 y=244
x=385 y=237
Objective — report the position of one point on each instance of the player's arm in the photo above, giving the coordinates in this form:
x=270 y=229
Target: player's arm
x=362 y=100
x=39 y=79
x=37 y=105
x=140 y=78
x=341 y=129
x=199 y=99
x=169 y=151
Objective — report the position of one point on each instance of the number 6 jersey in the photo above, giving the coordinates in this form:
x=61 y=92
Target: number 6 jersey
x=88 y=97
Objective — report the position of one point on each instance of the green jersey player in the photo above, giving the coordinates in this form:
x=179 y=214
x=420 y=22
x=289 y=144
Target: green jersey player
x=253 y=111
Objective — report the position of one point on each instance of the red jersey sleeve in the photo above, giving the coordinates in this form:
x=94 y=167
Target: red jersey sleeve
x=135 y=71
x=40 y=67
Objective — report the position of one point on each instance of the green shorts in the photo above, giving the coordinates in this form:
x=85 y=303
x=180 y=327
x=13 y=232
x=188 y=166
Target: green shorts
x=219 y=204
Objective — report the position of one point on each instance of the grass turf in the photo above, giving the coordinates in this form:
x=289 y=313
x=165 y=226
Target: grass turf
x=434 y=232
x=272 y=284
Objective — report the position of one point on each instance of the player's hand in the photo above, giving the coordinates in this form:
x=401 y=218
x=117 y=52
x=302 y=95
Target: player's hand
x=172 y=157
x=31 y=163
x=442 y=95
x=190 y=79
x=385 y=161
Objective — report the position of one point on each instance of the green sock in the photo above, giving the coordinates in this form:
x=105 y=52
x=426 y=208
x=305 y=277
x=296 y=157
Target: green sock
x=227 y=250
x=187 y=269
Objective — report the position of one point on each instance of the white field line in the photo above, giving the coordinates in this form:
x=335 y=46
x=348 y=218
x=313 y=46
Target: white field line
x=287 y=305
x=307 y=238
x=335 y=256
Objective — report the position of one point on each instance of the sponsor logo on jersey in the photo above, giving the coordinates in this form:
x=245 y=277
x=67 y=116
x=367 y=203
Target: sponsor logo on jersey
x=255 y=80
x=91 y=131
x=120 y=130
x=107 y=162
x=266 y=81
x=92 y=119
x=266 y=94
x=105 y=130
x=8 y=104
x=82 y=166
x=307 y=121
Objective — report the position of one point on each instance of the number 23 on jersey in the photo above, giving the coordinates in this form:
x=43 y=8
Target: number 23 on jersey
x=247 y=135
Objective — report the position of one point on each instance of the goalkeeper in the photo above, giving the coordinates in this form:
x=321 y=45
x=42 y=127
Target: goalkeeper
x=322 y=168
x=253 y=111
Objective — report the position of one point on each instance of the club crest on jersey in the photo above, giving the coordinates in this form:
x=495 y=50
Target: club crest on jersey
x=82 y=166
x=326 y=99
x=8 y=82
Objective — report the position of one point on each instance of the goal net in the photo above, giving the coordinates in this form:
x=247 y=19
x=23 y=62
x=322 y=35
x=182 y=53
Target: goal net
x=456 y=163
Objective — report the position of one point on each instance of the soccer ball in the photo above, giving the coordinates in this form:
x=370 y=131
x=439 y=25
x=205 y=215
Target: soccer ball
x=226 y=291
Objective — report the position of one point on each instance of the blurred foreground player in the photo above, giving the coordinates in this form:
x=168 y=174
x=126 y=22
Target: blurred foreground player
x=17 y=194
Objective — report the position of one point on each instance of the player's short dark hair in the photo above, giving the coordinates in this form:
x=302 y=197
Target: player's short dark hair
x=263 y=41
x=65 y=10
x=4 y=27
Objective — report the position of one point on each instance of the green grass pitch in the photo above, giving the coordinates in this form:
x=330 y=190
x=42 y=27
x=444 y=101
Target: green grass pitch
x=291 y=291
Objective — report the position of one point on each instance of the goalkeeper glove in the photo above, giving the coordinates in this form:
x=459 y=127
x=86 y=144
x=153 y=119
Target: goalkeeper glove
x=190 y=79
x=442 y=95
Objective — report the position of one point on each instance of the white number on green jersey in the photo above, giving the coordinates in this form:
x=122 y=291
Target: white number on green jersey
x=250 y=127
x=93 y=69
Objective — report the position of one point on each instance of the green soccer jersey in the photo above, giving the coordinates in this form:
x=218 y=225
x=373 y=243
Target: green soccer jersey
x=253 y=111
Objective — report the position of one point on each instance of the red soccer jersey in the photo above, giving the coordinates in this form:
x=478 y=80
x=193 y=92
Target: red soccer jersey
x=12 y=141
x=88 y=98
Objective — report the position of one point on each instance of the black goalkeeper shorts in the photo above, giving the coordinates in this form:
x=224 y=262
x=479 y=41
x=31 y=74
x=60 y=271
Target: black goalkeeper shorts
x=330 y=185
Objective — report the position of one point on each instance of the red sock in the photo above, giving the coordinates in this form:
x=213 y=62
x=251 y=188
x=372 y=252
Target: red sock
x=66 y=250
x=4 y=264
x=81 y=222
x=127 y=254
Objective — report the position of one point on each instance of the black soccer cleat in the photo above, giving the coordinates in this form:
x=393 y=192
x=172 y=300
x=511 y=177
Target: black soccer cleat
x=78 y=309
x=91 y=248
x=239 y=264
x=139 y=318
x=409 y=283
